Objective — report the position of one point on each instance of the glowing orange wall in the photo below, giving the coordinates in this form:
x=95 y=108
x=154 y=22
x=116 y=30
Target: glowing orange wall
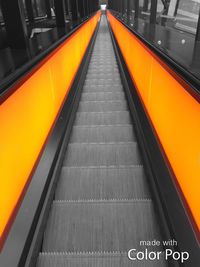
x=174 y=113
x=27 y=116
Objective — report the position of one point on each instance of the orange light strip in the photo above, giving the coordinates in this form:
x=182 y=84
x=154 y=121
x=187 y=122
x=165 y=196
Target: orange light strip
x=174 y=113
x=26 y=117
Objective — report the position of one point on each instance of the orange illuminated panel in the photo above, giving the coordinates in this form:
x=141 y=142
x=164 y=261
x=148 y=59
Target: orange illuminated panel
x=27 y=116
x=174 y=113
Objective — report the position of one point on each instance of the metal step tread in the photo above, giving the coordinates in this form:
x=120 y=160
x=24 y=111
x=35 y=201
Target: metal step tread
x=102 y=106
x=104 y=86
x=99 y=226
x=105 y=154
x=102 y=63
x=102 y=82
x=102 y=102
x=107 y=89
x=93 y=259
x=102 y=118
x=103 y=71
x=103 y=60
x=101 y=75
x=95 y=69
x=87 y=134
x=102 y=183
x=102 y=96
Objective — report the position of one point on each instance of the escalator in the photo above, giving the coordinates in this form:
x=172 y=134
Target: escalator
x=102 y=206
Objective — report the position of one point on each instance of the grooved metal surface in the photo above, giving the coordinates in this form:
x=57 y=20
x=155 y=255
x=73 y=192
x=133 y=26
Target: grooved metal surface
x=94 y=260
x=97 y=226
x=102 y=205
x=99 y=96
x=102 y=154
x=102 y=183
x=103 y=75
x=104 y=72
x=106 y=87
x=102 y=134
x=101 y=106
x=102 y=82
x=103 y=118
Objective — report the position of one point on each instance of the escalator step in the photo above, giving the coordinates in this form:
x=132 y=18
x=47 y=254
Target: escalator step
x=103 y=60
x=108 y=68
x=102 y=106
x=102 y=71
x=95 y=226
x=102 y=183
x=95 y=63
x=103 y=88
x=101 y=56
x=102 y=82
x=114 y=259
x=105 y=154
x=102 y=75
x=102 y=134
x=102 y=96
x=103 y=118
